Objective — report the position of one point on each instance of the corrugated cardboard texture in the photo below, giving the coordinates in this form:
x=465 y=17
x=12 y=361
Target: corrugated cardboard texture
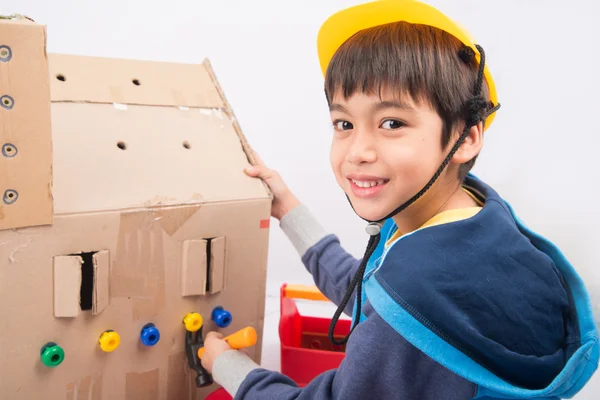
x=25 y=130
x=106 y=80
x=155 y=168
x=144 y=286
x=89 y=388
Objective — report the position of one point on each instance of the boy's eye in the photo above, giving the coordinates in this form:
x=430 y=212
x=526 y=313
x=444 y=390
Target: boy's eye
x=342 y=125
x=392 y=124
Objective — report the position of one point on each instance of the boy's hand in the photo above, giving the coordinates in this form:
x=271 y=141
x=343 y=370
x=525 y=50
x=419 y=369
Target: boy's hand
x=214 y=347
x=284 y=200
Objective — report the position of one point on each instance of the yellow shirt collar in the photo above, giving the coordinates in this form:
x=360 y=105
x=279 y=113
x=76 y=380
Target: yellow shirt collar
x=446 y=217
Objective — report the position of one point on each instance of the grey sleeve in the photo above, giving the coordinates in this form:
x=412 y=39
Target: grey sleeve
x=379 y=364
x=331 y=266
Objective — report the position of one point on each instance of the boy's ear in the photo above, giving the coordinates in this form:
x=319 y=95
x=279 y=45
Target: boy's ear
x=471 y=146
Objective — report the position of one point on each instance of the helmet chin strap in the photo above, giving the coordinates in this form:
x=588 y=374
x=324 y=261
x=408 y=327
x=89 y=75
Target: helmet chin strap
x=476 y=111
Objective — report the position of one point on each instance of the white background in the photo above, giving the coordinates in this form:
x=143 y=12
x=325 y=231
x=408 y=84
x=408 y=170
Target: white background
x=541 y=154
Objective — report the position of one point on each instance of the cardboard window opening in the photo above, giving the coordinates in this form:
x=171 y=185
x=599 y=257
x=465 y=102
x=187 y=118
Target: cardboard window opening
x=203 y=266
x=81 y=283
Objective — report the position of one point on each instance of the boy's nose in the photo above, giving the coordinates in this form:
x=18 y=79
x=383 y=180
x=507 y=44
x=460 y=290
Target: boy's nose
x=362 y=148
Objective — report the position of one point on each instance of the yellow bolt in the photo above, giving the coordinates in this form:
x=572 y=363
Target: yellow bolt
x=193 y=322
x=109 y=341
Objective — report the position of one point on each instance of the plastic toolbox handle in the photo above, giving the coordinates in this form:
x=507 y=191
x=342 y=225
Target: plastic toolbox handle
x=308 y=292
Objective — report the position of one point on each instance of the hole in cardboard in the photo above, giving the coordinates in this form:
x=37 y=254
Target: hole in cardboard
x=86 y=292
x=9 y=150
x=136 y=82
x=121 y=145
x=61 y=77
x=10 y=196
x=186 y=144
x=5 y=53
x=208 y=266
x=7 y=102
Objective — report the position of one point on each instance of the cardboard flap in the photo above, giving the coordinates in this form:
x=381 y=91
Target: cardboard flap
x=106 y=80
x=25 y=128
x=67 y=285
x=217 y=264
x=101 y=260
x=193 y=267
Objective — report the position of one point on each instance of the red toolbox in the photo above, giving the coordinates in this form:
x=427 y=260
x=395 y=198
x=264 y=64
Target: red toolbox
x=305 y=347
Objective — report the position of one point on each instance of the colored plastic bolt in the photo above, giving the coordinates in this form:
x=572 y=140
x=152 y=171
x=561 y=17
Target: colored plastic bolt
x=52 y=354
x=192 y=322
x=221 y=317
x=150 y=335
x=109 y=341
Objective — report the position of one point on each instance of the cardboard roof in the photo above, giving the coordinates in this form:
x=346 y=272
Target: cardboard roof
x=129 y=133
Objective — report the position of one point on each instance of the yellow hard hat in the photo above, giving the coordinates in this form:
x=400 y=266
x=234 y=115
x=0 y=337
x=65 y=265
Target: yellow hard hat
x=342 y=25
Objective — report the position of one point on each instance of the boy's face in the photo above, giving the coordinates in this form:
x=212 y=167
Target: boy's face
x=383 y=150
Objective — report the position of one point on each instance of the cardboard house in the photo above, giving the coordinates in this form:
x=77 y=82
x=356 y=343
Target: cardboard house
x=124 y=204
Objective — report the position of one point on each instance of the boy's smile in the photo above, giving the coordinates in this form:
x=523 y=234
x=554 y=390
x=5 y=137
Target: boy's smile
x=384 y=150
x=366 y=186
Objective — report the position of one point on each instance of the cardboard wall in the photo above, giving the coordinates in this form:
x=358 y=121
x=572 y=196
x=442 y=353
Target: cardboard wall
x=39 y=304
x=149 y=217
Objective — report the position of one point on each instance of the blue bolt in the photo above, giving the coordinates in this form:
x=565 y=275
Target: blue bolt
x=221 y=317
x=149 y=335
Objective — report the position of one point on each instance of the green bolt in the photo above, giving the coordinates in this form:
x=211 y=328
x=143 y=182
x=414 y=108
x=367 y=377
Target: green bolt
x=52 y=354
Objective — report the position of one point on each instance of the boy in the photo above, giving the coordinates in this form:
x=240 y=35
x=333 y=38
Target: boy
x=460 y=300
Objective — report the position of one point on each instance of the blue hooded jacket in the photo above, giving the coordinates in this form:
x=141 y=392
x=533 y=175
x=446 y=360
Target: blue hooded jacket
x=480 y=308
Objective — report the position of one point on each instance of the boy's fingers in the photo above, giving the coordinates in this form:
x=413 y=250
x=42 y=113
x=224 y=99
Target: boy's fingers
x=213 y=335
x=261 y=172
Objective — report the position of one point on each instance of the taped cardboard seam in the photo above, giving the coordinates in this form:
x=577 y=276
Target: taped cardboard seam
x=156 y=207
x=238 y=129
x=117 y=94
x=180 y=379
x=142 y=385
x=140 y=257
x=120 y=100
